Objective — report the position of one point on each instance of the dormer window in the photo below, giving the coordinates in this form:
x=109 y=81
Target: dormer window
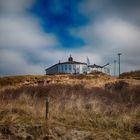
x=70 y=58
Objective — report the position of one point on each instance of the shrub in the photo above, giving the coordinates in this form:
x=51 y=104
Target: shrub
x=118 y=85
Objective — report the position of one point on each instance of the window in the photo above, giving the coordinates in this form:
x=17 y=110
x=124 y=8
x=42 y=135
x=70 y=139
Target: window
x=62 y=68
x=70 y=67
x=65 y=67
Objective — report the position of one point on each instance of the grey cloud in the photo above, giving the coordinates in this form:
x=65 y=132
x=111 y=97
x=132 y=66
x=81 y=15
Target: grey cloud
x=21 y=35
x=114 y=27
x=108 y=36
x=15 y=7
x=13 y=63
x=128 y=9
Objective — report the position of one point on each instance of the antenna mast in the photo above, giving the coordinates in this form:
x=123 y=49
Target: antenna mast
x=115 y=67
x=119 y=55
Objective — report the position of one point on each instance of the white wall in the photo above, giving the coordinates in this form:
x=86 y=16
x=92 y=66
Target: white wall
x=67 y=68
x=52 y=70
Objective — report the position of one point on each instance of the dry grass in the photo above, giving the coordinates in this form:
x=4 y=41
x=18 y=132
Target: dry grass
x=131 y=75
x=108 y=112
x=24 y=109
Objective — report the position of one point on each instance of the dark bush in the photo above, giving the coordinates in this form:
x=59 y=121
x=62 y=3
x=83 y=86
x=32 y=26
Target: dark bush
x=119 y=85
x=129 y=96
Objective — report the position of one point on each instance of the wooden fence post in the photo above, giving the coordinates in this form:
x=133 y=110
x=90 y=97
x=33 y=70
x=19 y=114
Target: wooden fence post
x=47 y=107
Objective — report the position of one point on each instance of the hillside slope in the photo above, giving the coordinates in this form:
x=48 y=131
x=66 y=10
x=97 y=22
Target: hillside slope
x=131 y=75
x=83 y=107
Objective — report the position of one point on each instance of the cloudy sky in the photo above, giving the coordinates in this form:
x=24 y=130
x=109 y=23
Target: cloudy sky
x=34 y=34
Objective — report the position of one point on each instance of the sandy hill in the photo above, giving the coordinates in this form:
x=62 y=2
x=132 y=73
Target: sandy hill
x=85 y=107
x=131 y=75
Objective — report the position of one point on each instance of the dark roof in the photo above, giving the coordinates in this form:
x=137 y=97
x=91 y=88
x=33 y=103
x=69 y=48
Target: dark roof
x=73 y=62
x=68 y=62
x=97 y=66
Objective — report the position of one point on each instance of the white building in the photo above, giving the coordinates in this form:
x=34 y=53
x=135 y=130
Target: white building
x=68 y=67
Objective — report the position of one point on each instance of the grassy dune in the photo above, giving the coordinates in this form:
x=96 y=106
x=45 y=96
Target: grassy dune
x=80 y=107
x=131 y=75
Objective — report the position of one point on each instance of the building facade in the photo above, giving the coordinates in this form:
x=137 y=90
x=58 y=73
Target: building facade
x=70 y=66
